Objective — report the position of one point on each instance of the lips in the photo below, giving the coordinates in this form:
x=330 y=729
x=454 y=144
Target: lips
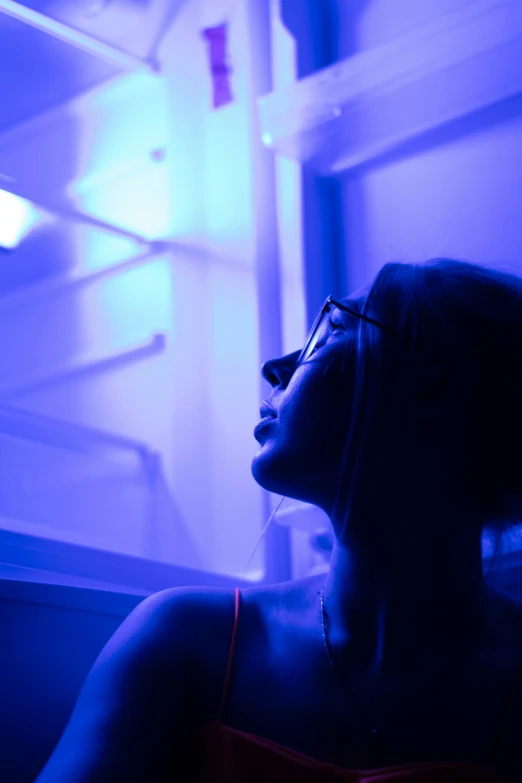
x=265 y=411
x=267 y=421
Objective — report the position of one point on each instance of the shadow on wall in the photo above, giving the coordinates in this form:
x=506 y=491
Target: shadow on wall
x=475 y=123
x=316 y=28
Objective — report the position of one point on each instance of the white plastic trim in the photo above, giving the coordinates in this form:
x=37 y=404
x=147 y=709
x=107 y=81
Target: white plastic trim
x=363 y=106
x=80 y=40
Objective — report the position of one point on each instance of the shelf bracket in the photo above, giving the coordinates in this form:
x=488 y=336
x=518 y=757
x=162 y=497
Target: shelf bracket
x=83 y=41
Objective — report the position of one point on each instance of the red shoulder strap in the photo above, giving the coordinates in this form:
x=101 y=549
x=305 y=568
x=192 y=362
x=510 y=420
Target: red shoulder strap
x=230 y=657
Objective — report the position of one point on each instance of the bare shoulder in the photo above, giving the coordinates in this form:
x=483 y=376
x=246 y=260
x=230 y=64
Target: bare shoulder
x=294 y=602
x=287 y=594
x=215 y=606
x=202 y=615
x=199 y=618
x=262 y=610
x=197 y=602
x=172 y=617
x=140 y=686
x=164 y=640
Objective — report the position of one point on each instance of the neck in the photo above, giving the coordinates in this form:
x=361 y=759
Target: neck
x=387 y=613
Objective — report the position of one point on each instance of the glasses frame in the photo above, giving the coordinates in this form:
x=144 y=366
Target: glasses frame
x=329 y=302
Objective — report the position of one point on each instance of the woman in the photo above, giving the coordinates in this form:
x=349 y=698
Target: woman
x=401 y=419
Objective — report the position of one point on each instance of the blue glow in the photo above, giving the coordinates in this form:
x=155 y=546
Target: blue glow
x=267 y=139
x=97 y=250
x=122 y=178
x=126 y=309
x=17 y=217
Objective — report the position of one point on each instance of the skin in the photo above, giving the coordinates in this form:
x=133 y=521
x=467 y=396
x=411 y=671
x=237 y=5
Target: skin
x=405 y=584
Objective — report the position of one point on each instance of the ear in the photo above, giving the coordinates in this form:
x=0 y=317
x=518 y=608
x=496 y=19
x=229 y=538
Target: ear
x=444 y=386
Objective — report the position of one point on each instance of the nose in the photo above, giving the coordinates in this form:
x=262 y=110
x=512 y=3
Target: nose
x=279 y=371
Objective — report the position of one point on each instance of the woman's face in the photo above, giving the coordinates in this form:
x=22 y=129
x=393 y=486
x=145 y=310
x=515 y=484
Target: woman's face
x=300 y=450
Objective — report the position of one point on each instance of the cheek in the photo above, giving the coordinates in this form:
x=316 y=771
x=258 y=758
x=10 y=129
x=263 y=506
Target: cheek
x=316 y=417
x=317 y=431
x=337 y=388
x=339 y=368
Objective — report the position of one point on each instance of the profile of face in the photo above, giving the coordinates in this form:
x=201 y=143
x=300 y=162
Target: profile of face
x=301 y=449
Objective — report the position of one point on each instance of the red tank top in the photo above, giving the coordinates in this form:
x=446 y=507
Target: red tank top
x=222 y=754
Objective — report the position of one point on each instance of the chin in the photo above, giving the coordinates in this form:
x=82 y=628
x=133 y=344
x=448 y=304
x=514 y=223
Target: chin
x=264 y=476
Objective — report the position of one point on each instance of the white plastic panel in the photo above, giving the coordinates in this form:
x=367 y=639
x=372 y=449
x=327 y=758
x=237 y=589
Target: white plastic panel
x=365 y=105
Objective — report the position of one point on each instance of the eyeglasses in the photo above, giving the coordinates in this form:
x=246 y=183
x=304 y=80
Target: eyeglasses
x=319 y=329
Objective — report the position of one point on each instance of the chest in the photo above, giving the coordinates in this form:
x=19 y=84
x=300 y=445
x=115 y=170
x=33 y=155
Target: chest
x=282 y=687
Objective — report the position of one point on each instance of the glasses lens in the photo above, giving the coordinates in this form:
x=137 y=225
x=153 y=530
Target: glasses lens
x=318 y=336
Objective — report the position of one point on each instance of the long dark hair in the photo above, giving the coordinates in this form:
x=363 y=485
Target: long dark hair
x=446 y=306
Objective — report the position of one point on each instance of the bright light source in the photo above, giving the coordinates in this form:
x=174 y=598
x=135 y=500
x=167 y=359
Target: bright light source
x=267 y=139
x=17 y=216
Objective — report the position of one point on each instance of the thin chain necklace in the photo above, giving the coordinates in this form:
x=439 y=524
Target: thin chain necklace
x=375 y=734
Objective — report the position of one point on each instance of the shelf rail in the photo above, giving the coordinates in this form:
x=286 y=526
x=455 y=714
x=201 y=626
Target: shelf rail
x=77 y=38
x=26 y=425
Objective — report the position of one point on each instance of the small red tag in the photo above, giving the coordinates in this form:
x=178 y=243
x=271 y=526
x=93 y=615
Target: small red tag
x=217 y=49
